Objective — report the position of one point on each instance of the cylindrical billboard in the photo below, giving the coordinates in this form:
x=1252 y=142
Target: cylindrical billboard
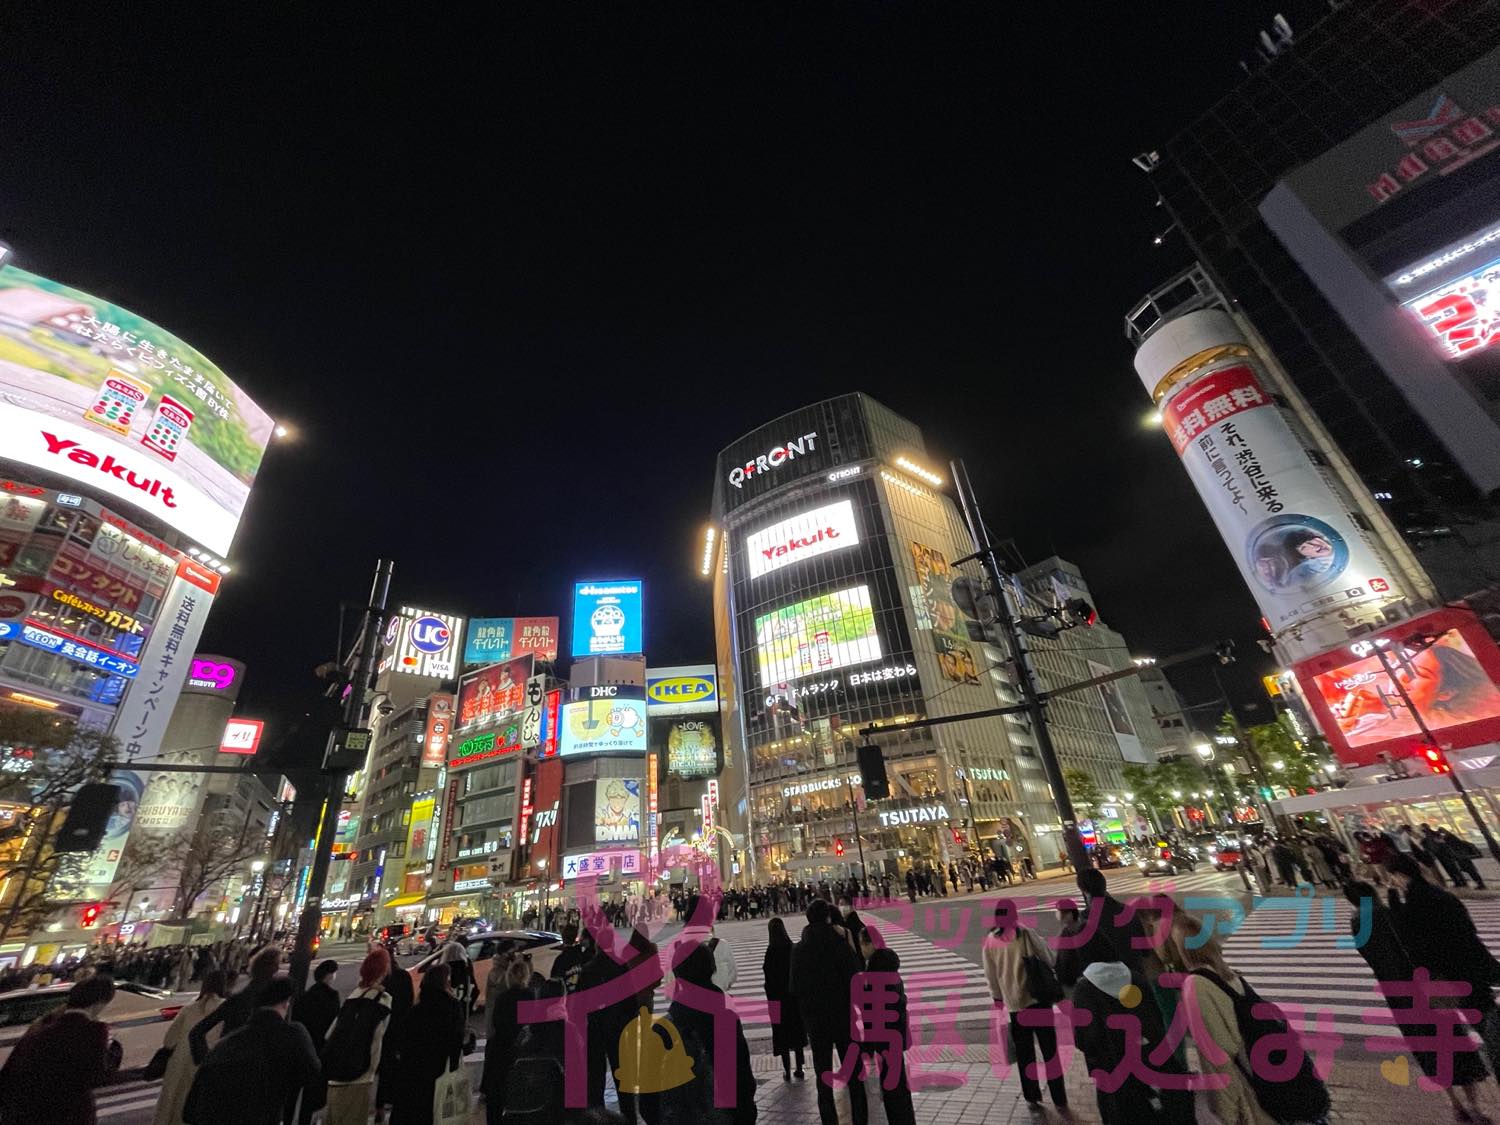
x=1285 y=519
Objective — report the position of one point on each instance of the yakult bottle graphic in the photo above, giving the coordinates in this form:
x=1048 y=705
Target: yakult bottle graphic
x=168 y=427
x=118 y=399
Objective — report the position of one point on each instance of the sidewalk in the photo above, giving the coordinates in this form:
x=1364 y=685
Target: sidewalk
x=1360 y=1092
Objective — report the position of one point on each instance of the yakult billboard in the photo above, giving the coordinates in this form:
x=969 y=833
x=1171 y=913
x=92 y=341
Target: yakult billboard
x=1282 y=518
x=803 y=536
x=94 y=393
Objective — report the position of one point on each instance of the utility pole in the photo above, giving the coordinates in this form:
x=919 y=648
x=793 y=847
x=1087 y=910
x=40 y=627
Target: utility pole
x=999 y=587
x=363 y=659
x=1385 y=662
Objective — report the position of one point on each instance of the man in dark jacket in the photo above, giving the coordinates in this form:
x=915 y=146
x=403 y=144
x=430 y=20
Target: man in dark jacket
x=823 y=964
x=249 y=1077
x=53 y=1070
x=570 y=958
x=1118 y=925
x=316 y=1009
x=606 y=1024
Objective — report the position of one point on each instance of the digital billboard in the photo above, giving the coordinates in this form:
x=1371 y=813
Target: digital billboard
x=803 y=536
x=820 y=634
x=945 y=622
x=690 y=744
x=607 y=617
x=92 y=392
x=617 y=810
x=499 y=638
x=421 y=643
x=602 y=726
x=1446 y=664
x=682 y=690
x=493 y=693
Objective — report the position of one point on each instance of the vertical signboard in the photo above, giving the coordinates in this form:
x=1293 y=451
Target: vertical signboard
x=439 y=728
x=88 y=876
x=653 y=807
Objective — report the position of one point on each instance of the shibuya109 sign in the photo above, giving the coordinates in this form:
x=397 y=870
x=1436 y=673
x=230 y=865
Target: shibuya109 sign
x=94 y=393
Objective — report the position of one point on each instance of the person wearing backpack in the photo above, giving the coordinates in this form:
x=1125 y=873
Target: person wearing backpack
x=1018 y=967
x=429 y=1042
x=1225 y=1027
x=697 y=1020
x=351 y=1053
x=251 y=1074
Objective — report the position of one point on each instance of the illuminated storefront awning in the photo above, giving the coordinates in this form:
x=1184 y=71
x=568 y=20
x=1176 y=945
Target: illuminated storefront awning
x=406 y=900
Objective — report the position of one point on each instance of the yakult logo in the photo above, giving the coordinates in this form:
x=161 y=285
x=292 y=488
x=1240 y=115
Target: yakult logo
x=816 y=532
x=107 y=464
x=774 y=459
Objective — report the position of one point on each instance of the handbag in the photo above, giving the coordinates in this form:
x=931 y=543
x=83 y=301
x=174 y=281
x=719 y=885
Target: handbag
x=452 y=1097
x=157 y=1067
x=1041 y=981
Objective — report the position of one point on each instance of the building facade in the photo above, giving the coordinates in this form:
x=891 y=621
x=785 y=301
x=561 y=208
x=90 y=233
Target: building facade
x=832 y=559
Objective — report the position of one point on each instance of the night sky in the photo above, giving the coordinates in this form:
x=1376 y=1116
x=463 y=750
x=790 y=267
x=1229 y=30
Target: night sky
x=514 y=280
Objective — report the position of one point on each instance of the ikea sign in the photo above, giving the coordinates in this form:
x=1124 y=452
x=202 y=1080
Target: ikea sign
x=682 y=691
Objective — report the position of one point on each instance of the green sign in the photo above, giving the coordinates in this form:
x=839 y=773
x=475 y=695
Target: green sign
x=476 y=745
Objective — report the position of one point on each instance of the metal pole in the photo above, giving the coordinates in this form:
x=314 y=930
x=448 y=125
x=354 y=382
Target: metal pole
x=864 y=872
x=354 y=705
x=1463 y=791
x=1020 y=658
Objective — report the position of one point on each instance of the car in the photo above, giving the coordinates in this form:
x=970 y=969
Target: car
x=540 y=946
x=21 y=1006
x=1226 y=852
x=1164 y=860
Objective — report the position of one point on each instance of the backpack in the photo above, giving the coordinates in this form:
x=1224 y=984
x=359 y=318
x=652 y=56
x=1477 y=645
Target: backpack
x=1302 y=1097
x=346 y=1054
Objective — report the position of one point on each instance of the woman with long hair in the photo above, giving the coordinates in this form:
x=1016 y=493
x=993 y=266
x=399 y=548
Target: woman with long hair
x=503 y=996
x=431 y=1043
x=178 y=1079
x=788 y=1036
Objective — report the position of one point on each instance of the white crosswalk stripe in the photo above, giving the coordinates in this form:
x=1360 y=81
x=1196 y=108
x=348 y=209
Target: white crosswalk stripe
x=1317 y=974
x=939 y=982
x=127 y=1097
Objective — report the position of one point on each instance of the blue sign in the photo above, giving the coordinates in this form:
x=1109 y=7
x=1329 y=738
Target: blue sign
x=9 y=630
x=429 y=634
x=607 y=617
x=488 y=640
x=76 y=650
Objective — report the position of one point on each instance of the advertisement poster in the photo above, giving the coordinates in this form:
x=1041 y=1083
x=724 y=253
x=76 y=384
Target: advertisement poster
x=1297 y=547
x=603 y=726
x=607 y=617
x=491 y=694
x=439 y=728
x=830 y=631
x=689 y=744
x=804 y=536
x=88 y=388
x=416 y=834
x=950 y=634
x=682 y=690
x=421 y=643
x=1448 y=667
x=88 y=876
x=617 y=811
x=499 y=638
x=1120 y=724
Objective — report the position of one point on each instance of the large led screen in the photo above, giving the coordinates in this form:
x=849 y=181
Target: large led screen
x=617 y=810
x=1444 y=663
x=603 y=726
x=492 y=694
x=607 y=617
x=804 y=536
x=94 y=393
x=821 y=634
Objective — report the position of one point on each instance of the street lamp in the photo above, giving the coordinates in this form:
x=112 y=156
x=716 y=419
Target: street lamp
x=1205 y=751
x=1278 y=764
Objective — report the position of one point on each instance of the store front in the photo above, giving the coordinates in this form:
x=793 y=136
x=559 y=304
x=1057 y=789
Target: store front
x=1429 y=799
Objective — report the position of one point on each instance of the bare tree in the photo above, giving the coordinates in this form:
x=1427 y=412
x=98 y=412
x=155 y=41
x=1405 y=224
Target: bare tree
x=43 y=761
x=205 y=856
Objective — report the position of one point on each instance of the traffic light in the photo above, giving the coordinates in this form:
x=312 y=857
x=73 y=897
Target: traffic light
x=1437 y=762
x=838 y=846
x=1265 y=792
x=1080 y=612
x=872 y=770
x=88 y=916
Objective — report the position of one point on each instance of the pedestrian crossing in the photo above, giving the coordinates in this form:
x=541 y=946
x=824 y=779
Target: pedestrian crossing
x=1317 y=974
x=127 y=1097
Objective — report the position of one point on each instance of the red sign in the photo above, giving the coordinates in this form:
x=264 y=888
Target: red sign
x=546 y=797
x=1215 y=397
x=1444 y=140
x=241 y=736
x=199 y=576
x=439 y=728
x=525 y=818
x=78 y=574
x=1445 y=663
x=534 y=635
x=493 y=693
x=548 y=748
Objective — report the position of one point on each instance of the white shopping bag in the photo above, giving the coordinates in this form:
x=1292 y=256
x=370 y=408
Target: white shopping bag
x=452 y=1098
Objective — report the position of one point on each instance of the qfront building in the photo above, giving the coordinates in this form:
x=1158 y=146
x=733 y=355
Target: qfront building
x=832 y=551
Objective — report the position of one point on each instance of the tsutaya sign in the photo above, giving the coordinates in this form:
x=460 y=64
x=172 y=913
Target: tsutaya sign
x=924 y=814
x=775 y=458
x=804 y=536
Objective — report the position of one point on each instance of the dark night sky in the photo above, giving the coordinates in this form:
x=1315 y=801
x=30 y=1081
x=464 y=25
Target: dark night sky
x=515 y=281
